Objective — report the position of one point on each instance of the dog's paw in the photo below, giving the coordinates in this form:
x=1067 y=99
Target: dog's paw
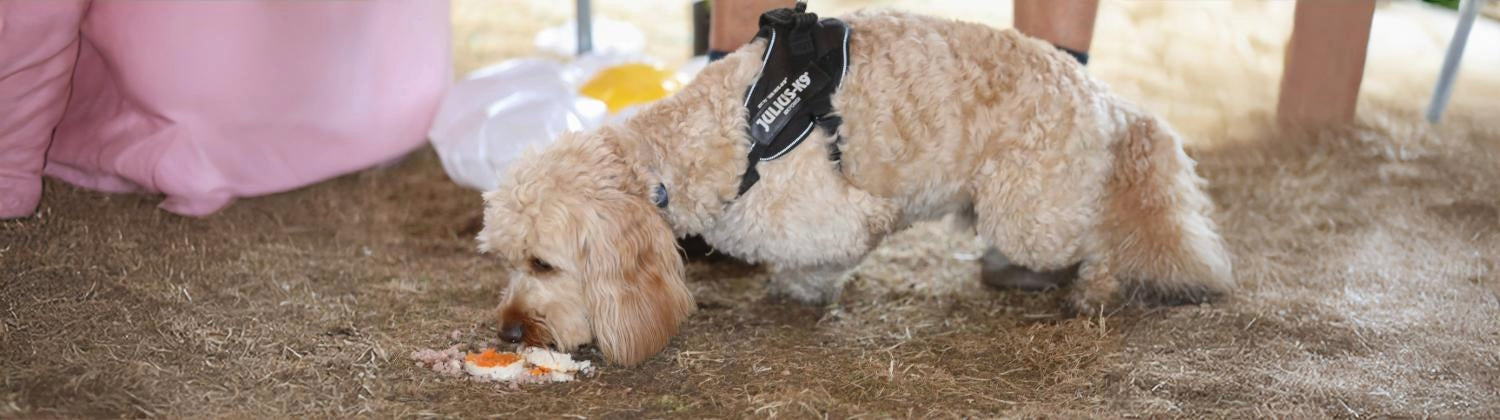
x=819 y=285
x=802 y=293
x=1097 y=297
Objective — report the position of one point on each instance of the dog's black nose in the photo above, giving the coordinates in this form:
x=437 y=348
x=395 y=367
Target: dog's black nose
x=512 y=332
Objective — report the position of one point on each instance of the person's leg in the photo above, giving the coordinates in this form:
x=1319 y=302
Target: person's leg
x=1068 y=24
x=733 y=23
x=1325 y=62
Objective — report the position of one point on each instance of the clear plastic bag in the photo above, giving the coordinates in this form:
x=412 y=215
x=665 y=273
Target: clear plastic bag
x=488 y=119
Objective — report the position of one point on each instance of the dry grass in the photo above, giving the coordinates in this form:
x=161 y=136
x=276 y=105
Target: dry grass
x=1367 y=255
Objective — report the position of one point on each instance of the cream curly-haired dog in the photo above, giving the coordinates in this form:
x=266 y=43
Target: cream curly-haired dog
x=939 y=117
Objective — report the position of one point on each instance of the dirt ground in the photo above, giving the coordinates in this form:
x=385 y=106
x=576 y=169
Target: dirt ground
x=1366 y=255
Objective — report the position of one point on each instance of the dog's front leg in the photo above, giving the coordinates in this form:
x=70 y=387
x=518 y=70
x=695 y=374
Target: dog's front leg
x=812 y=285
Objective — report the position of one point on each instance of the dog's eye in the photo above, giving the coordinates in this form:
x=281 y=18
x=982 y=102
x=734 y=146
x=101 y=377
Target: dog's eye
x=539 y=267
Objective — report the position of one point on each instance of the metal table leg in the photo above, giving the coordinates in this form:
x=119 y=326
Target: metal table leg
x=584 y=21
x=1466 y=13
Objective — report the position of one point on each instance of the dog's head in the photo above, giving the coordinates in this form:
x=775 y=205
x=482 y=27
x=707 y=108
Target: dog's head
x=591 y=259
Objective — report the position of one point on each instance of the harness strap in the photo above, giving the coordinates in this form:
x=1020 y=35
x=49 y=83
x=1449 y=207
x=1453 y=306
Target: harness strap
x=804 y=64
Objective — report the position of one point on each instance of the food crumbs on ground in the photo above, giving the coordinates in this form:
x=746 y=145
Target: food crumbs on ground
x=530 y=365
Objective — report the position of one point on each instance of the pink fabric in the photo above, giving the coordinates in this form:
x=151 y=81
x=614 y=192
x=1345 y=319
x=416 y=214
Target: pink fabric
x=207 y=101
x=38 y=45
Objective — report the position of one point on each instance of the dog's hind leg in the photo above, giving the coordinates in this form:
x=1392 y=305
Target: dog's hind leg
x=1035 y=215
x=1154 y=234
x=998 y=271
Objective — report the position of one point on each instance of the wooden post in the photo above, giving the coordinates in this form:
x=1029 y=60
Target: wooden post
x=1325 y=62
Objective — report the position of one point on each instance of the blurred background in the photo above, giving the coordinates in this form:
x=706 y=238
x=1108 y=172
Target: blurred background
x=1212 y=67
x=1366 y=243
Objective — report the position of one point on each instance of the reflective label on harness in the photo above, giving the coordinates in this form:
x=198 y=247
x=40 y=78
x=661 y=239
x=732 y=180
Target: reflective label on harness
x=774 y=115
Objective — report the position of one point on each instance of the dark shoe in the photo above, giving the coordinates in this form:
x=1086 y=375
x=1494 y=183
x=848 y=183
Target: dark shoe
x=999 y=273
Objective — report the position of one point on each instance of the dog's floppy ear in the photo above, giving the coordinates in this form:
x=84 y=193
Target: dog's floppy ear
x=632 y=278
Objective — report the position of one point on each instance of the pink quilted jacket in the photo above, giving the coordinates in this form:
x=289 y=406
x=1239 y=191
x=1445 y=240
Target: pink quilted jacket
x=207 y=101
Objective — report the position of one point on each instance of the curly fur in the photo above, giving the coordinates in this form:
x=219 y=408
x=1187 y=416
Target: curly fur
x=940 y=117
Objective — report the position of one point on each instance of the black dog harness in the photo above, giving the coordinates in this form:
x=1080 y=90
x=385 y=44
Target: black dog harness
x=804 y=64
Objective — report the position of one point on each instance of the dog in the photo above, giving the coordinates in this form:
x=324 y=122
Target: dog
x=939 y=117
